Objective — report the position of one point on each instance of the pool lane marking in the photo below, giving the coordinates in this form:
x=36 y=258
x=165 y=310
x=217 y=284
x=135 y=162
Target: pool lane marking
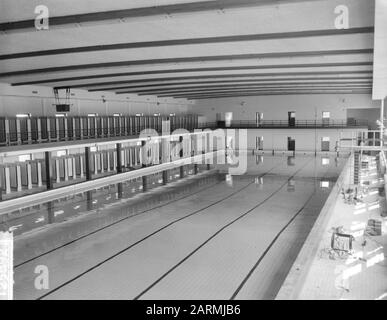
x=215 y=234
x=249 y=274
x=112 y=224
x=150 y=235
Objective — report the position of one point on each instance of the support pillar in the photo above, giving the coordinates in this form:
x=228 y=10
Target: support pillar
x=88 y=163
x=47 y=158
x=119 y=157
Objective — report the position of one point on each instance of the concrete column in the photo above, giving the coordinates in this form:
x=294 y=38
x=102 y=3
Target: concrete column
x=48 y=129
x=66 y=134
x=74 y=168
x=57 y=170
x=29 y=130
x=39 y=128
x=108 y=160
x=47 y=157
x=119 y=157
x=101 y=159
x=18 y=132
x=114 y=160
x=39 y=169
x=7 y=178
x=18 y=178
x=81 y=175
x=74 y=130
x=29 y=177
x=57 y=129
x=66 y=169
x=81 y=127
x=96 y=161
x=8 y=138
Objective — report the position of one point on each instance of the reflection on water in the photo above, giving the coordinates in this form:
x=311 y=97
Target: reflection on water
x=291 y=161
x=122 y=195
x=98 y=200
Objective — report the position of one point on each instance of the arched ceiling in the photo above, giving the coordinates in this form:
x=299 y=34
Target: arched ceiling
x=189 y=49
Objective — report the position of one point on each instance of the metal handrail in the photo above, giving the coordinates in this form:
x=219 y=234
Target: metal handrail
x=296 y=124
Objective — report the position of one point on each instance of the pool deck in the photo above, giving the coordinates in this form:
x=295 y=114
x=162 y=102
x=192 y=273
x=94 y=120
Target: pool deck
x=320 y=273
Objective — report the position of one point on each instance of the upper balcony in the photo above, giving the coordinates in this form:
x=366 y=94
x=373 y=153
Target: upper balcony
x=296 y=124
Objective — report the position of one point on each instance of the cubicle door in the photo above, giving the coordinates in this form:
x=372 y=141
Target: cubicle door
x=77 y=128
x=24 y=130
x=34 y=129
x=91 y=127
x=291 y=144
x=117 y=127
x=85 y=124
x=292 y=119
x=53 y=135
x=70 y=128
x=61 y=128
x=99 y=127
x=44 y=128
x=12 y=130
x=3 y=136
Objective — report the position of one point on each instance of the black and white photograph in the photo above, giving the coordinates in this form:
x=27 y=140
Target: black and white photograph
x=193 y=155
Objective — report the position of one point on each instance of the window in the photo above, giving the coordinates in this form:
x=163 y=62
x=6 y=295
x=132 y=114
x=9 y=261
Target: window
x=326 y=114
x=324 y=184
x=325 y=161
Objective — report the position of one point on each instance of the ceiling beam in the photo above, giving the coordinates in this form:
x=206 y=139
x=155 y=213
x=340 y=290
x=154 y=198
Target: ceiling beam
x=237 y=90
x=188 y=7
x=274 y=80
x=180 y=42
x=244 y=85
x=266 y=93
x=186 y=59
x=288 y=74
x=167 y=71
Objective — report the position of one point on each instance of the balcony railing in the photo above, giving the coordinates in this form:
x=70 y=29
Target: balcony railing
x=299 y=124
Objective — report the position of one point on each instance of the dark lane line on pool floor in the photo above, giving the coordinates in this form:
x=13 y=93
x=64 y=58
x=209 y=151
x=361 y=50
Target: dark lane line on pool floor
x=154 y=233
x=215 y=234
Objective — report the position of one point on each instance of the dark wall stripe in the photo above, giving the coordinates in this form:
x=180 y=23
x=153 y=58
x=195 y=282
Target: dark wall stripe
x=192 y=41
x=167 y=71
x=186 y=59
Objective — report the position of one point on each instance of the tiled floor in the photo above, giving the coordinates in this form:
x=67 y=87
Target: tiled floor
x=363 y=274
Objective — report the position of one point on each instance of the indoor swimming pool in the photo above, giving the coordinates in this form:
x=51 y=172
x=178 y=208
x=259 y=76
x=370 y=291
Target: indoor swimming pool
x=208 y=235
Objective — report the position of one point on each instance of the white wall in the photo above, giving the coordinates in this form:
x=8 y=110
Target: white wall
x=307 y=107
x=39 y=102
